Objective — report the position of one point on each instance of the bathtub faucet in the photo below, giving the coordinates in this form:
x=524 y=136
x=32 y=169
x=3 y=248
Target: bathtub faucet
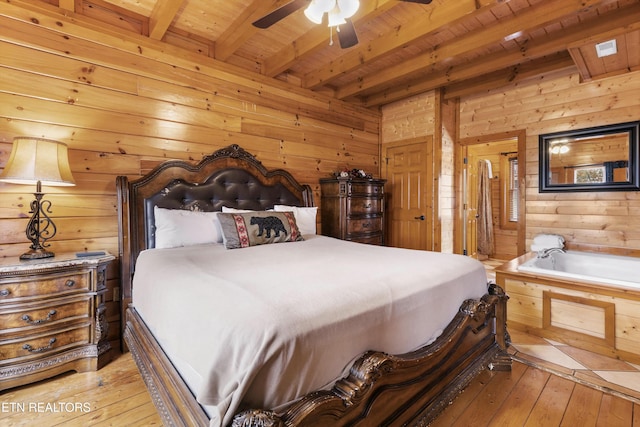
x=545 y=253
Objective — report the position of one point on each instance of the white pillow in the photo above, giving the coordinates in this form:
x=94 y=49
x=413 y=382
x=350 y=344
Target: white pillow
x=177 y=227
x=226 y=209
x=305 y=217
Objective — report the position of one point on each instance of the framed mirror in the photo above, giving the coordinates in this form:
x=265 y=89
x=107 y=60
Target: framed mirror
x=603 y=158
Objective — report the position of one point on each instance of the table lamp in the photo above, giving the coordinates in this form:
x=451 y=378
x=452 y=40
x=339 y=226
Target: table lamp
x=38 y=161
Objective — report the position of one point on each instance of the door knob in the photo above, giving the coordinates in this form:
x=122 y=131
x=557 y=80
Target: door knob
x=421 y=217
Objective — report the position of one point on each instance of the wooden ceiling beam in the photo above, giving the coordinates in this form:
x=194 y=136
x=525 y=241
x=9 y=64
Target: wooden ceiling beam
x=317 y=39
x=162 y=15
x=446 y=14
x=627 y=19
x=537 y=16
x=459 y=73
x=69 y=5
x=556 y=63
x=242 y=27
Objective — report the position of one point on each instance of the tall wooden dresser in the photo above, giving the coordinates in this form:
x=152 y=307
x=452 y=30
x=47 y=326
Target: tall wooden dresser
x=353 y=209
x=52 y=317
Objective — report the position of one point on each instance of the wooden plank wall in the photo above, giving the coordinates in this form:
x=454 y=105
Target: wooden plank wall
x=557 y=103
x=125 y=103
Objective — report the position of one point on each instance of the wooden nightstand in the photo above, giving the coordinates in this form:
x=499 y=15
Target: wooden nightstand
x=353 y=209
x=52 y=317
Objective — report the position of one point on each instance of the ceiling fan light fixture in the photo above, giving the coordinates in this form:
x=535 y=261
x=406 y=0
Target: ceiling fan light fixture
x=337 y=11
x=314 y=13
x=324 y=5
x=335 y=17
x=348 y=8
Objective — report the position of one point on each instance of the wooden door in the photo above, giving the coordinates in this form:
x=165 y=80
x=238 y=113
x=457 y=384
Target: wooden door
x=471 y=206
x=409 y=192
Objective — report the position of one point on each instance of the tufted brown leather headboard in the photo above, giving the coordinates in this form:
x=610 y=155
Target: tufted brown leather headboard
x=229 y=177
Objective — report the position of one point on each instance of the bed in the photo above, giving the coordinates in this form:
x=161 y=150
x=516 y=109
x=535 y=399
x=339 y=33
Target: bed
x=312 y=332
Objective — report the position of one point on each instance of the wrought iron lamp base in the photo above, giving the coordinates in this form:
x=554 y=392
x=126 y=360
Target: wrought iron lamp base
x=37 y=254
x=40 y=227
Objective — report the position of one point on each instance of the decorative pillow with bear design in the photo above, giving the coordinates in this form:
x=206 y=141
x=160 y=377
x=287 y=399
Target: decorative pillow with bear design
x=241 y=230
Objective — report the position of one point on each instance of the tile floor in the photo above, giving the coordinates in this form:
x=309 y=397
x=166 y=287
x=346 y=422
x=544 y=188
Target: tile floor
x=601 y=372
x=604 y=373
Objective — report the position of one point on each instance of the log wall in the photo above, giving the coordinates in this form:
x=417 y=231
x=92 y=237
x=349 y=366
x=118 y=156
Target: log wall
x=558 y=103
x=124 y=104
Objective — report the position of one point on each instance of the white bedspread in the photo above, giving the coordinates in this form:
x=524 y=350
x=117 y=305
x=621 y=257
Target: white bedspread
x=261 y=326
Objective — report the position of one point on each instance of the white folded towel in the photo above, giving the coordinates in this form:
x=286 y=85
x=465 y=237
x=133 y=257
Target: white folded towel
x=547 y=241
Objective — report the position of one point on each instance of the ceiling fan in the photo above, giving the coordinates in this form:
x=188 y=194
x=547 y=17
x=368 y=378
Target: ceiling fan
x=339 y=13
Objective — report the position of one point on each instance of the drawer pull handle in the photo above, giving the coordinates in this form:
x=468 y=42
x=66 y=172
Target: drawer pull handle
x=30 y=321
x=366 y=225
x=39 y=349
x=70 y=283
x=367 y=205
x=5 y=293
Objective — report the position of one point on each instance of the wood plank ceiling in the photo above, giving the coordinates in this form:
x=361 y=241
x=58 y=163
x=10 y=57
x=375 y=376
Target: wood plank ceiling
x=404 y=48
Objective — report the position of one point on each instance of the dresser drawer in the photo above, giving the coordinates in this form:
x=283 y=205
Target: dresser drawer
x=43 y=344
x=364 y=225
x=44 y=285
x=27 y=317
x=364 y=205
x=375 y=239
x=365 y=188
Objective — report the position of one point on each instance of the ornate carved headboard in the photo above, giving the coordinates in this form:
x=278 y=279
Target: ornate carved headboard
x=231 y=177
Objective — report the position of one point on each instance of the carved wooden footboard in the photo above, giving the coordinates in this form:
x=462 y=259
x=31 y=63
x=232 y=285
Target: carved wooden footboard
x=380 y=390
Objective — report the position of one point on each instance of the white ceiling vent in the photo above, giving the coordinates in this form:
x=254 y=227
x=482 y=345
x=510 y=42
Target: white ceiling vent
x=606 y=48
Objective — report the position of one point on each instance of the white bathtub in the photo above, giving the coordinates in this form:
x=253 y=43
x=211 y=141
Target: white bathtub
x=614 y=270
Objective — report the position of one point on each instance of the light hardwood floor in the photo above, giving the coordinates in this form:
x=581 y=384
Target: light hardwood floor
x=526 y=396
x=531 y=397
x=113 y=396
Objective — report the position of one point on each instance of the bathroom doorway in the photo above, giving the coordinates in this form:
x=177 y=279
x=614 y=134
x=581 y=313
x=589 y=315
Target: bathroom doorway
x=493 y=199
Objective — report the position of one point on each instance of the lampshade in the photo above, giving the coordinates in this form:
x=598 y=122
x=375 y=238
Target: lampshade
x=38 y=159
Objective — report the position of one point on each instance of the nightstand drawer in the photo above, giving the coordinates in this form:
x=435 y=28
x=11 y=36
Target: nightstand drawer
x=364 y=205
x=365 y=225
x=44 y=285
x=32 y=316
x=43 y=344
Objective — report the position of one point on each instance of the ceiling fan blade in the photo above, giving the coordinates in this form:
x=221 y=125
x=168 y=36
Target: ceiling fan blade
x=280 y=13
x=418 y=1
x=347 y=35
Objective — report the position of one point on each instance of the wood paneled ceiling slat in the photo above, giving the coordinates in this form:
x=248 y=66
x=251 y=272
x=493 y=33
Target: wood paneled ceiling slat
x=404 y=48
